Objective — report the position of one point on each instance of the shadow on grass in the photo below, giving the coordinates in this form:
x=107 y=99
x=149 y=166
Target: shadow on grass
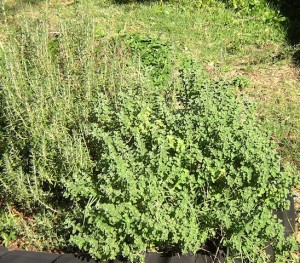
x=291 y=10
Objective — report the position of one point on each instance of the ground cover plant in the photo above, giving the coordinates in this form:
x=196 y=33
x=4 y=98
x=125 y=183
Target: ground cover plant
x=120 y=138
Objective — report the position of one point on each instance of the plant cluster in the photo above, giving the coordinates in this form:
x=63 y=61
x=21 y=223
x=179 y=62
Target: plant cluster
x=125 y=152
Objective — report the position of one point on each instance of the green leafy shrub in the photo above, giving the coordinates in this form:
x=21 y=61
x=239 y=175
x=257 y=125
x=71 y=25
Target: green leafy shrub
x=131 y=162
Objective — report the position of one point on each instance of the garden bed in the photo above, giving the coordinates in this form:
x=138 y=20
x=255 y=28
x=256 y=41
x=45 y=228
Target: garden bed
x=121 y=142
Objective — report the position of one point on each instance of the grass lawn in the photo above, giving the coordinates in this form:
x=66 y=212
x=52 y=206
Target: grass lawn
x=222 y=43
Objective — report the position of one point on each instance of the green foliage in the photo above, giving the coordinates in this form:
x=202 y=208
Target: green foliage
x=260 y=9
x=153 y=55
x=241 y=82
x=8 y=228
x=132 y=153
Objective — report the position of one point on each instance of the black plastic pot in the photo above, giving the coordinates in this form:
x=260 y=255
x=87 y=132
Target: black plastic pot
x=288 y=220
